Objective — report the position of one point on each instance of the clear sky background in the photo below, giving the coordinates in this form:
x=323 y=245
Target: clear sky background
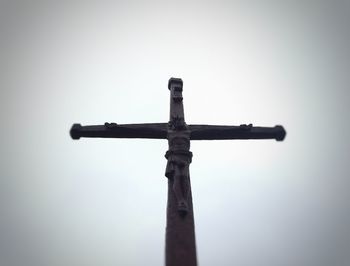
x=102 y=201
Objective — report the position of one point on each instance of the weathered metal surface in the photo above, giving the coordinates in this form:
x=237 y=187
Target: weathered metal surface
x=180 y=247
x=160 y=131
x=180 y=235
x=208 y=132
x=113 y=130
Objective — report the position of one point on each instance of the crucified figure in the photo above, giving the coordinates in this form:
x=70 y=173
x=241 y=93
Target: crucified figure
x=177 y=171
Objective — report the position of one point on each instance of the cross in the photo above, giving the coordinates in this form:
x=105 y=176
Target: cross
x=180 y=249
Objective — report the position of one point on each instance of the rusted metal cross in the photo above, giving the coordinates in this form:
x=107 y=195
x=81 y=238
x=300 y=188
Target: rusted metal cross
x=180 y=235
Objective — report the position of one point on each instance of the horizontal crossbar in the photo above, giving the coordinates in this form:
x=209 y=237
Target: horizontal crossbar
x=160 y=131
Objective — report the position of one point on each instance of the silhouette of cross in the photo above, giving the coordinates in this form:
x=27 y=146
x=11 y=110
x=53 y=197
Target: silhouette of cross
x=180 y=235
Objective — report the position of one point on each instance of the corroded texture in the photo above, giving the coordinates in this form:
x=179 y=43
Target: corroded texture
x=180 y=236
x=160 y=131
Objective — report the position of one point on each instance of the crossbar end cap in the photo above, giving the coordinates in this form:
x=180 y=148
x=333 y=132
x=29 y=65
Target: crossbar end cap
x=281 y=133
x=75 y=131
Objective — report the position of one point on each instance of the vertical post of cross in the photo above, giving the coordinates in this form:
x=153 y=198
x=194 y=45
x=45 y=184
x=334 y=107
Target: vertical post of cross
x=180 y=234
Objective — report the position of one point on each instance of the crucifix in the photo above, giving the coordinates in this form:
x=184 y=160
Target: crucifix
x=180 y=247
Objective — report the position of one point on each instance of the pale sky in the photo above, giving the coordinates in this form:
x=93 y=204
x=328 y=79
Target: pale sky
x=102 y=201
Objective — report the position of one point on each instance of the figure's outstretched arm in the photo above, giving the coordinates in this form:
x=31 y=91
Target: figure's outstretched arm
x=210 y=132
x=113 y=130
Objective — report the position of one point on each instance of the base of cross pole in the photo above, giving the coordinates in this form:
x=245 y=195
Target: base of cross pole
x=180 y=247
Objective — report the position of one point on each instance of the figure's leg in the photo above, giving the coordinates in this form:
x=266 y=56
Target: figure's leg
x=185 y=182
x=180 y=189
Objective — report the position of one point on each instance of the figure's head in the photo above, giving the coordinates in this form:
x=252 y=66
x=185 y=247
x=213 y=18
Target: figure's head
x=177 y=123
x=175 y=86
x=175 y=82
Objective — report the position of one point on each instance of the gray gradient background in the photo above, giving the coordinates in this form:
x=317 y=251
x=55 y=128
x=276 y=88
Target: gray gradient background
x=103 y=201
